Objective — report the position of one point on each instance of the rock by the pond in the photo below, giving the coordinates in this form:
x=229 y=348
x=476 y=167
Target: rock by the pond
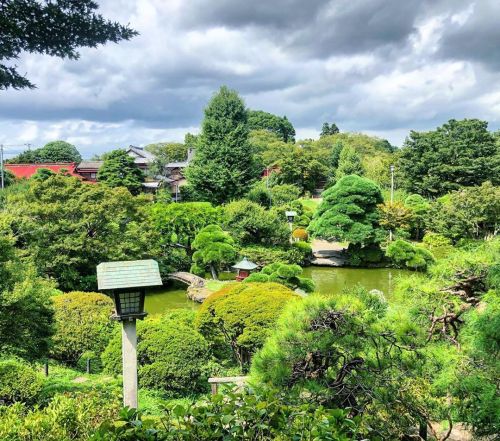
x=198 y=293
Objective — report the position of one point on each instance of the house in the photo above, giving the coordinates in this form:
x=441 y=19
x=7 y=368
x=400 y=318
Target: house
x=88 y=170
x=26 y=171
x=175 y=174
x=142 y=158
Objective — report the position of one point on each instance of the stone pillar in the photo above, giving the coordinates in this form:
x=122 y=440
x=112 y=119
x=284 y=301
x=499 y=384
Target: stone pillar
x=129 y=359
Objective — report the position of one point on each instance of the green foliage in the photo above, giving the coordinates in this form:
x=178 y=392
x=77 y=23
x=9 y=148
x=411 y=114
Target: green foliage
x=173 y=357
x=83 y=325
x=252 y=416
x=214 y=250
x=343 y=351
x=68 y=227
x=472 y=212
x=19 y=382
x=280 y=126
x=165 y=152
x=275 y=195
x=457 y=154
x=119 y=170
x=299 y=253
x=8 y=178
x=404 y=254
x=224 y=166
x=328 y=129
x=395 y=217
x=241 y=315
x=250 y=223
x=303 y=169
x=55 y=151
x=288 y=275
x=349 y=163
x=60 y=29
x=419 y=208
x=42 y=173
x=67 y=418
x=26 y=312
x=349 y=212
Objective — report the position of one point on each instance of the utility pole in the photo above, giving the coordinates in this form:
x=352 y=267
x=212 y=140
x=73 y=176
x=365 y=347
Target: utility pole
x=2 y=178
x=392 y=196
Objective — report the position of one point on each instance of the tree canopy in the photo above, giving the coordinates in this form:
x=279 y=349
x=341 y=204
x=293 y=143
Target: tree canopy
x=457 y=154
x=225 y=164
x=349 y=212
x=119 y=170
x=68 y=227
x=349 y=163
x=54 y=151
x=329 y=129
x=57 y=28
x=280 y=126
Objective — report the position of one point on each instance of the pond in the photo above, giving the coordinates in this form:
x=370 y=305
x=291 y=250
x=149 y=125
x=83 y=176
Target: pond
x=327 y=280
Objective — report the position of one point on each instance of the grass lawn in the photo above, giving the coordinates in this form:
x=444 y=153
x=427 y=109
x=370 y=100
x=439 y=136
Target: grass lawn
x=311 y=203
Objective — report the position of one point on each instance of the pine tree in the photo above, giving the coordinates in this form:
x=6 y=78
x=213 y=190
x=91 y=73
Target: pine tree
x=349 y=163
x=224 y=166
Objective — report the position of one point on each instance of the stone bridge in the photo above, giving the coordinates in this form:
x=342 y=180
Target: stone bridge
x=188 y=279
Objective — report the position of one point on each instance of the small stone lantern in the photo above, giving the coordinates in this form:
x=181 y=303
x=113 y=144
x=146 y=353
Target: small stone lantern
x=244 y=268
x=126 y=283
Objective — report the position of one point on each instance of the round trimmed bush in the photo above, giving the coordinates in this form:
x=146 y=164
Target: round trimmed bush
x=405 y=254
x=241 y=315
x=173 y=357
x=19 y=382
x=82 y=324
x=300 y=234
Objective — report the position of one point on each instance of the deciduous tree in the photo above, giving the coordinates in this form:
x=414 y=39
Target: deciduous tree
x=119 y=170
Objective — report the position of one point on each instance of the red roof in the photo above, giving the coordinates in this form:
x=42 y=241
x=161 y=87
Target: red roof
x=28 y=170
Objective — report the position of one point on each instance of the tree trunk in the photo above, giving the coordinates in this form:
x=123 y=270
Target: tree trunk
x=215 y=276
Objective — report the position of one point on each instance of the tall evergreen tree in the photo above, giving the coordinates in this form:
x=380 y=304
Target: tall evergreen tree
x=328 y=129
x=224 y=166
x=349 y=163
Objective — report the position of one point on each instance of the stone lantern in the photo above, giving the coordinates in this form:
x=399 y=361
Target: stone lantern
x=126 y=283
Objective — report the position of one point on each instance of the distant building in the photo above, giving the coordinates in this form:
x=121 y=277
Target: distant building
x=175 y=174
x=26 y=171
x=142 y=158
x=88 y=170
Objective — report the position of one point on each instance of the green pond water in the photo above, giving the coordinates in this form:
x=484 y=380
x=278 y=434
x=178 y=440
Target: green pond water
x=327 y=280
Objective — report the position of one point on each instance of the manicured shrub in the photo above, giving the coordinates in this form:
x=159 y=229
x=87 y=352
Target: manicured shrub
x=82 y=324
x=19 y=382
x=404 y=254
x=241 y=315
x=298 y=253
x=173 y=357
x=288 y=275
x=66 y=418
x=300 y=234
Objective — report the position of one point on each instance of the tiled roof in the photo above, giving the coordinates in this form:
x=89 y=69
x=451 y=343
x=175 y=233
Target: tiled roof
x=28 y=170
x=143 y=155
x=92 y=165
x=128 y=274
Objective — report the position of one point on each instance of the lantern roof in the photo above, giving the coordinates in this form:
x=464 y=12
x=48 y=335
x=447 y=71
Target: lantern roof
x=245 y=264
x=128 y=274
x=290 y=213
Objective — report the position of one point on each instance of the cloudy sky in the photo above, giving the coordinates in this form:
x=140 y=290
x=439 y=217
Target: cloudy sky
x=376 y=66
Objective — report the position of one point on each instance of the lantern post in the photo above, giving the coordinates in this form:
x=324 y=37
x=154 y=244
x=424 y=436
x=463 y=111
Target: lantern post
x=126 y=283
x=290 y=216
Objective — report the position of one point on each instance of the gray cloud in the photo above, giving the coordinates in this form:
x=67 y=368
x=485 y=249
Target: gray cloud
x=384 y=66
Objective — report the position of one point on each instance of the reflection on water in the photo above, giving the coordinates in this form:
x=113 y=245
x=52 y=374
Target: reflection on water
x=335 y=280
x=327 y=280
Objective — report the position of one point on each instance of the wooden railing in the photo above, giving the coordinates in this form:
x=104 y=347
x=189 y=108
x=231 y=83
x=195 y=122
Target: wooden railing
x=215 y=381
